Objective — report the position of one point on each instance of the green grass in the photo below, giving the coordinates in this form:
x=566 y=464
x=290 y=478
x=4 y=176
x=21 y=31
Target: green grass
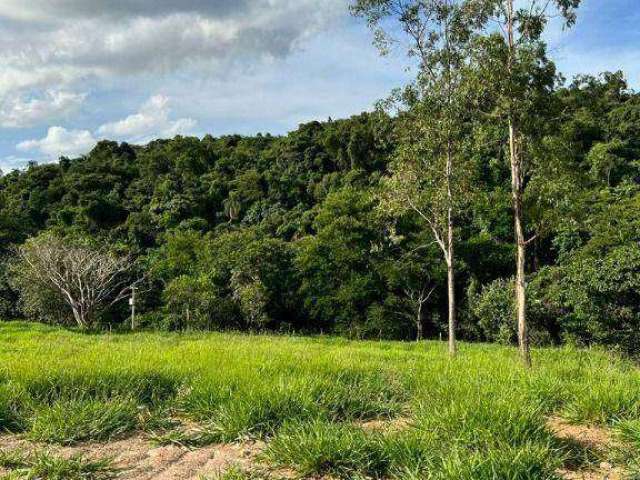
x=43 y=465
x=76 y=420
x=478 y=416
x=337 y=449
x=235 y=473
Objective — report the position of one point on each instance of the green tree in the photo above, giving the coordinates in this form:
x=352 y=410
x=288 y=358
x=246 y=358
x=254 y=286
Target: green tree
x=428 y=169
x=337 y=264
x=514 y=65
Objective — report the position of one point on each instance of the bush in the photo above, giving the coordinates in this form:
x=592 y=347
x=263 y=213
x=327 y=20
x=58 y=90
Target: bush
x=601 y=297
x=495 y=313
x=494 y=310
x=195 y=302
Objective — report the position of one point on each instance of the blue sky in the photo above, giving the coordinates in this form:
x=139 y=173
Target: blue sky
x=76 y=71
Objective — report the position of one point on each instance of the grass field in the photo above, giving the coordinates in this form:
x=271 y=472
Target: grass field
x=324 y=406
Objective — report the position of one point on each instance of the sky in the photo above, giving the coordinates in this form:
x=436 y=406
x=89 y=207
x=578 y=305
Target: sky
x=73 y=72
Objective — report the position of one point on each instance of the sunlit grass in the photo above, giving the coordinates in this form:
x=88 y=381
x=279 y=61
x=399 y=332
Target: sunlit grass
x=43 y=465
x=480 y=415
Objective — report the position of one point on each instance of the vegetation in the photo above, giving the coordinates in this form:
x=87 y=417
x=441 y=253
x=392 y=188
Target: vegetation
x=427 y=175
x=324 y=405
x=293 y=234
x=342 y=226
x=396 y=224
x=53 y=273
x=43 y=465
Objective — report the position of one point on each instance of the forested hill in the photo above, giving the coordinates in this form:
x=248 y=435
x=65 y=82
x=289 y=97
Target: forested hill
x=287 y=233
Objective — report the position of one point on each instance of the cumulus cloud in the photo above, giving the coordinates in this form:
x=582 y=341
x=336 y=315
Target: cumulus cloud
x=60 y=142
x=48 y=10
x=19 y=111
x=151 y=121
x=44 y=41
x=13 y=162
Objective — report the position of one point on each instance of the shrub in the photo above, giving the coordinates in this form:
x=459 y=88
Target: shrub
x=601 y=297
x=494 y=311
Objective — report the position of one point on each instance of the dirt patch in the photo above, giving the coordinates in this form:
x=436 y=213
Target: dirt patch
x=138 y=458
x=392 y=425
x=594 y=438
x=606 y=473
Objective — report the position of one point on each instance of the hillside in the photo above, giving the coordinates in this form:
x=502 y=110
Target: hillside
x=290 y=234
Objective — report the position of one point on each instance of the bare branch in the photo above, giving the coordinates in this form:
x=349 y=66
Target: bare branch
x=85 y=278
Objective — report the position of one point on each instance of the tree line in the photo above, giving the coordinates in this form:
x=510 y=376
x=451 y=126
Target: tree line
x=488 y=200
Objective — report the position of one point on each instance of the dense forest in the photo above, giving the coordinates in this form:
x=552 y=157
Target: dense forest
x=292 y=233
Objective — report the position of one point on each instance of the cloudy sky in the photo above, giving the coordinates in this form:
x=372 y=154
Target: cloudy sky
x=76 y=71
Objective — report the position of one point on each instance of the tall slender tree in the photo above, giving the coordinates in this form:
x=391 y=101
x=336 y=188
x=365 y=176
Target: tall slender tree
x=516 y=69
x=434 y=109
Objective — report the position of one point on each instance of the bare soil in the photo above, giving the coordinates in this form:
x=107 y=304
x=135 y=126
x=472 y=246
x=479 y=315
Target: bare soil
x=596 y=439
x=138 y=458
x=393 y=425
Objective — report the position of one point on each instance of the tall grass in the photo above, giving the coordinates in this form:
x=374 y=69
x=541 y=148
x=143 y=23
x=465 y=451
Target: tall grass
x=67 y=422
x=477 y=416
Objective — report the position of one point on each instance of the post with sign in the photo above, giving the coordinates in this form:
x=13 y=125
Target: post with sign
x=132 y=302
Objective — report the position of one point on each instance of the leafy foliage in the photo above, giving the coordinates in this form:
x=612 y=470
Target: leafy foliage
x=287 y=233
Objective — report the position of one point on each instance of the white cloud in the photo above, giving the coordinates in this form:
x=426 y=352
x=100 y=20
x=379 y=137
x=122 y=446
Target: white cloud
x=60 y=142
x=573 y=62
x=13 y=162
x=151 y=121
x=19 y=111
x=46 y=42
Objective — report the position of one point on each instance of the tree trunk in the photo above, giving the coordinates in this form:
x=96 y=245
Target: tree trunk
x=451 y=292
x=517 y=190
x=521 y=244
x=78 y=317
x=521 y=305
x=419 y=319
x=451 y=295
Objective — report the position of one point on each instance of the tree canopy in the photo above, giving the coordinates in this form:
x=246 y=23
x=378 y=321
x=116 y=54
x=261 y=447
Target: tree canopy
x=289 y=233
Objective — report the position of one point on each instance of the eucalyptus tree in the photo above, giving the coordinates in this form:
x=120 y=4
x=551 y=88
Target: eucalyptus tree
x=519 y=77
x=433 y=115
